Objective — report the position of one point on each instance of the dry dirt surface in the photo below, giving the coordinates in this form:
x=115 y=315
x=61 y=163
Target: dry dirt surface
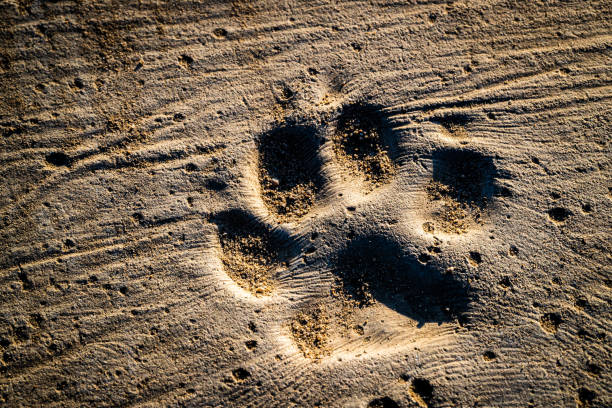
x=317 y=203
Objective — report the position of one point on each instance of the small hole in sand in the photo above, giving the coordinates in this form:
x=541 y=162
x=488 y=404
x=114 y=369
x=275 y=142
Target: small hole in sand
x=559 y=214
x=383 y=402
x=240 y=374
x=489 y=355
x=58 y=159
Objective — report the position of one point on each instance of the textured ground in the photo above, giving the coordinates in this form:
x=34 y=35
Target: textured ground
x=305 y=203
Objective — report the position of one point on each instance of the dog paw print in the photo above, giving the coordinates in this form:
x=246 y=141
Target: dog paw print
x=349 y=281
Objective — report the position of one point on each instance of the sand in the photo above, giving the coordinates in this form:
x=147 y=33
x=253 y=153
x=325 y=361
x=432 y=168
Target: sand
x=305 y=204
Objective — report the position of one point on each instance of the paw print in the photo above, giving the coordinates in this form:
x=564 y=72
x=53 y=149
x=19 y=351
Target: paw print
x=322 y=234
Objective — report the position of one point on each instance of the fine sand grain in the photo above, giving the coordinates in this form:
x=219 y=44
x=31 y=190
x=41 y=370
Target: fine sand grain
x=305 y=203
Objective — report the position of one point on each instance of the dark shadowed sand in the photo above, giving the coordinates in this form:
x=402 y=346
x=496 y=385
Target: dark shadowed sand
x=305 y=203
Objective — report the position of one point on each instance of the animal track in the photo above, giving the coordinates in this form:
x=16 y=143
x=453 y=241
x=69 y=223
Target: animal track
x=371 y=273
x=289 y=171
x=551 y=321
x=461 y=187
x=250 y=252
x=585 y=397
x=360 y=145
x=467 y=173
x=58 y=159
x=489 y=355
x=240 y=374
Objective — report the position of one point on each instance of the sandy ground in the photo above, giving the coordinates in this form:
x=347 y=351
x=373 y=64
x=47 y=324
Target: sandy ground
x=305 y=203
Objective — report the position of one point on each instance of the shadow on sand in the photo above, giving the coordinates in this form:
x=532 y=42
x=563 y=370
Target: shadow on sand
x=377 y=268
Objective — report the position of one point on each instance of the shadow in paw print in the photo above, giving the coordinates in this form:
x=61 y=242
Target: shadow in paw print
x=251 y=254
x=364 y=145
x=375 y=269
x=289 y=170
x=467 y=176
